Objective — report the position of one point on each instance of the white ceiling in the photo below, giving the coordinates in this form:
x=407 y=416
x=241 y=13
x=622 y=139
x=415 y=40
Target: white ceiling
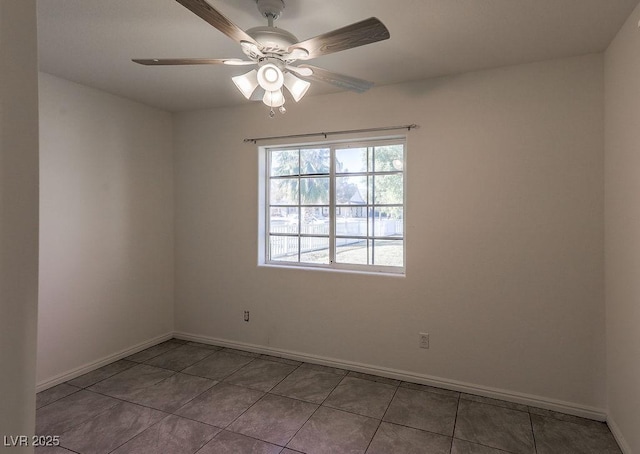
x=92 y=41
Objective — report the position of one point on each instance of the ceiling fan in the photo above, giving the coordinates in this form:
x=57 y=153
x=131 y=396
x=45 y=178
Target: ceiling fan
x=275 y=51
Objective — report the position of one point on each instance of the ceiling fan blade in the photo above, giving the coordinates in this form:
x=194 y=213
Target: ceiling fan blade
x=192 y=61
x=304 y=72
x=359 y=34
x=207 y=12
x=339 y=80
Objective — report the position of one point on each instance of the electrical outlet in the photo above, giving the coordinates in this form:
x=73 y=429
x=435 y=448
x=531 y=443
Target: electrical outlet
x=424 y=340
x=246 y=316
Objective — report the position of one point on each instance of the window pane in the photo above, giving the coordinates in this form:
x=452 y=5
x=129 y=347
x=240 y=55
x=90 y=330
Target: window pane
x=284 y=191
x=283 y=248
x=314 y=222
x=280 y=221
x=314 y=250
x=389 y=158
x=284 y=220
x=388 y=252
x=284 y=162
x=352 y=251
x=314 y=191
x=314 y=161
x=351 y=160
x=388 y=189
x=387 y=222
x=351 y=221
x=351 y=190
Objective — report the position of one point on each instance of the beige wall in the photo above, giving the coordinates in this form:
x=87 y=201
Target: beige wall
x=622 y=221
x=18 y=217
x=504 y=227
x=106 y=236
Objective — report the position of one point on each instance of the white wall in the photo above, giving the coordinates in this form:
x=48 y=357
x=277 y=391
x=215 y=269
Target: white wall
x=622 y=224
x=18 y=217
x=106 y=235
x=505 y=234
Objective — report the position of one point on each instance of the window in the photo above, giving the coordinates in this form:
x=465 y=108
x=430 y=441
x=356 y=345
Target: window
x=336 y=206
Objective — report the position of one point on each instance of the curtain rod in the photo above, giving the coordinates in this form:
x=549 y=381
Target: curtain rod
x=325 y=134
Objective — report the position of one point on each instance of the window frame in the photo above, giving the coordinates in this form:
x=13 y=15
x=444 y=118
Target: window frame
x=264 y=227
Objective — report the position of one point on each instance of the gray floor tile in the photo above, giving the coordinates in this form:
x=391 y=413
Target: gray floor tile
x=277 y=359
x=490 y=401
x=127 y=384
x=172 y=435
x=375 y=378
x=423 y=410
x=363 y=397
x=102 y=373
x=308 y=384
x=179 y=341
x=218 y=366
x=391 y=438
x=152 y=352
x=110 y=429
x=180 y=358
x=564 y=417
x=71 y=411
x=52 y=450
x=220 y=405
x=333 y=370
x=330 y=431
x=419 y=418
x=201 y=345
x=466 y=447
x=232 y=443
x=240 y=352
x=431 y=389
x=274 y=419
x=554 y=436
x=494 y=426
x=172 y=393
x=260 y=374
x=55 y=393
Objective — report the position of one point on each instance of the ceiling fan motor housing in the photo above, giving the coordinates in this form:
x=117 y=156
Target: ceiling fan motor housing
x=274 y=40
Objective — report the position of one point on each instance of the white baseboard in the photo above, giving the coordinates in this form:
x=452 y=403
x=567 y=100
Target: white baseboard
x=454 y=385
x=617 y=434
x=495 y=393
x=50 y=382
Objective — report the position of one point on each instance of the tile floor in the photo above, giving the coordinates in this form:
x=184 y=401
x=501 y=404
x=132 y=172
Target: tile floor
x=183 y=397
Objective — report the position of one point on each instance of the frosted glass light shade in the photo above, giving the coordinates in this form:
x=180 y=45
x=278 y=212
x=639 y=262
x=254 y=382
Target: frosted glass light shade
x=246 y=83
x=258 y=94
x=273 y=98
x=297 y=87
x=270 y=77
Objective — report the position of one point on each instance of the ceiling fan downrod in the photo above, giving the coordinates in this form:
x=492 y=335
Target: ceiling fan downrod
x=271 y=9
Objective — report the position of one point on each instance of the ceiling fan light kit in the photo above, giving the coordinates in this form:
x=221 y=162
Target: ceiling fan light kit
x=247 y=83
x=296 y=86
x=275 y=50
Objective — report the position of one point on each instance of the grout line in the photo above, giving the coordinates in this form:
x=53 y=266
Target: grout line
x=54 y=401
x=455 y=422
x=491 y=401
x=533 y=433
x=383 y=415
x=303 y=424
